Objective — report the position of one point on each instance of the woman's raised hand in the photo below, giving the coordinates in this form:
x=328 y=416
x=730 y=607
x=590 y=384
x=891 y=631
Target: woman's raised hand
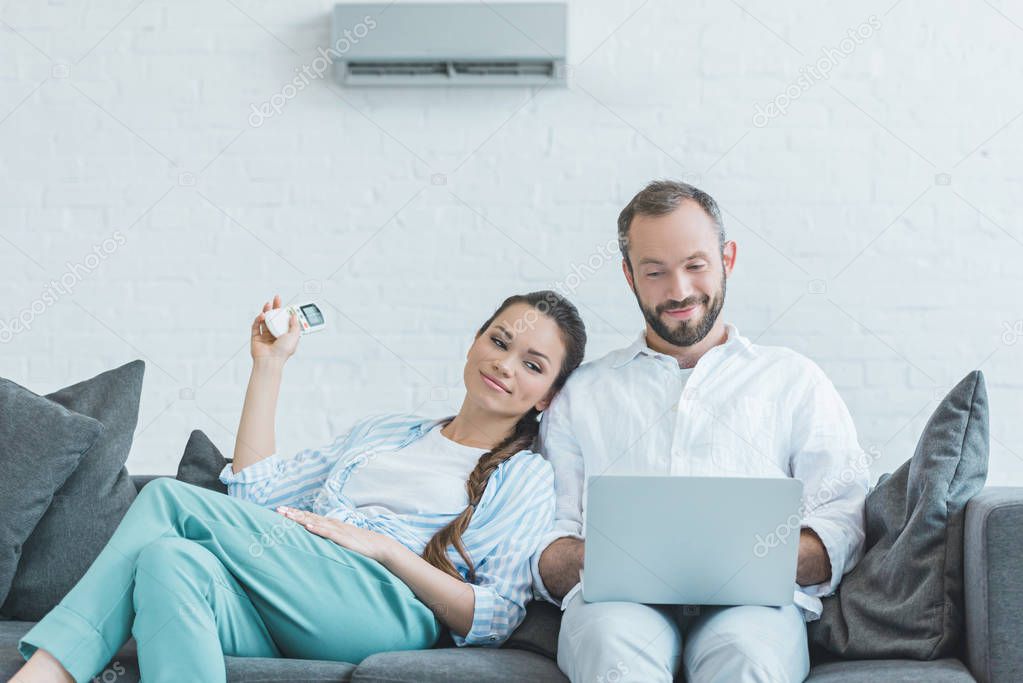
x=264 y=344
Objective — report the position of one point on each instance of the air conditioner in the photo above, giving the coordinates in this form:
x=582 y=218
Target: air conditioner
x=405 y=43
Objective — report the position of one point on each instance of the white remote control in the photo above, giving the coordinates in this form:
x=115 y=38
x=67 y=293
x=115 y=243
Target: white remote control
x=310 y=319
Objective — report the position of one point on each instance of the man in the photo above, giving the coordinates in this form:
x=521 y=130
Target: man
x=691 y=396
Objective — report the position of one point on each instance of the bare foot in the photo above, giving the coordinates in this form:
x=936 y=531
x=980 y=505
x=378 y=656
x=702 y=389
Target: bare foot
x=42 y=667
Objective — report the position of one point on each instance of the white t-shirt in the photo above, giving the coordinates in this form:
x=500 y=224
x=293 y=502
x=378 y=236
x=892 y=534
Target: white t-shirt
x=427 y=476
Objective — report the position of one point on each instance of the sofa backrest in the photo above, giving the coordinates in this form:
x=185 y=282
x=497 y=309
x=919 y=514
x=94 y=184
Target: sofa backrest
x=141 y=480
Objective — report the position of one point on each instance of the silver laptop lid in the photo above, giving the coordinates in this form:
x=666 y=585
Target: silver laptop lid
x=691 y=540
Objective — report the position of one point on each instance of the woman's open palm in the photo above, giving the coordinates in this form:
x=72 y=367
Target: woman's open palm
x=264 y=344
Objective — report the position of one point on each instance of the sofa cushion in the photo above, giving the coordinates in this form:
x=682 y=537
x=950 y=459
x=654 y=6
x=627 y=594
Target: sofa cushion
x=89 y=506
x=905 y=597
x=124 y=664
x=458 y=665
x=42 y=444
x=271 y=670
x=124 y=667
x=538 y=631
x=891 y=671
x=201 y=463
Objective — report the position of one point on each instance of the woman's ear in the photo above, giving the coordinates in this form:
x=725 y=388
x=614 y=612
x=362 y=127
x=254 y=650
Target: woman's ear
x=545 y=402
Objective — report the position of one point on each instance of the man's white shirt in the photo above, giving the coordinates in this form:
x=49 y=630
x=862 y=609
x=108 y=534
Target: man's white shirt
x=743 y=410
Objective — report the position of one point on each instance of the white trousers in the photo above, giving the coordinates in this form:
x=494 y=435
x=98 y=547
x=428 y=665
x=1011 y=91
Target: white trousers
x=622 y=642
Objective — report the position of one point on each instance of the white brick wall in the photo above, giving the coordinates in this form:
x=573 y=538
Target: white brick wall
x=120 y=118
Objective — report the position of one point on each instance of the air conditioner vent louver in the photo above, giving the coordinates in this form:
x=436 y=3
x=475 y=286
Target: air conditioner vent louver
x=450 y=72
x=545 y=69
x=385 y=69
x=437 y=44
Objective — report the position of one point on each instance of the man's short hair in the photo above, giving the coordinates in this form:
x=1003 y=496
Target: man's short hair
x=662 y=197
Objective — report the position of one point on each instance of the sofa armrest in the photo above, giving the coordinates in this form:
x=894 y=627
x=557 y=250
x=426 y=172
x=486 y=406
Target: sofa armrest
x=994 y=584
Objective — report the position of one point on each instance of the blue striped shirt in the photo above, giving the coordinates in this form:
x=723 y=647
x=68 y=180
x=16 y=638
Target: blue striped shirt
x=516 y=510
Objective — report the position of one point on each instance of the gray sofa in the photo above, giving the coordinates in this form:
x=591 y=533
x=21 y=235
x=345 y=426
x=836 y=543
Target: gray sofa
x=993 y=649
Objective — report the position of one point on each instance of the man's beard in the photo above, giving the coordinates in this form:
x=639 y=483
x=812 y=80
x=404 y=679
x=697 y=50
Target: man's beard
x=688 y=332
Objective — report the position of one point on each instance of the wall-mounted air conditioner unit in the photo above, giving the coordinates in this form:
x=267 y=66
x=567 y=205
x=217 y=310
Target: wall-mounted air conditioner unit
x=414 y=43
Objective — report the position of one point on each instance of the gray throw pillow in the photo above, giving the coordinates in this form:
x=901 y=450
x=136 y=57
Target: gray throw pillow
x=41 y=443
x=904 y=600
x=87 y=509
x=201 y=463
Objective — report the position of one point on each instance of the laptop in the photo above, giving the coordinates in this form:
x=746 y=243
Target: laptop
x=691 y=540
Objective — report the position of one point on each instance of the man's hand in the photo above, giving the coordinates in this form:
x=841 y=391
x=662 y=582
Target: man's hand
x=560 y=563
x=814 y=564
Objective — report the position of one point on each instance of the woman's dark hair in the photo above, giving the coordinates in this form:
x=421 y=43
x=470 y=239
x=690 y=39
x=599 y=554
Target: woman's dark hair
x=573 y=334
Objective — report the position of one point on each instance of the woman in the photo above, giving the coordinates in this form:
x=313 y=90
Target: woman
x=397 y=528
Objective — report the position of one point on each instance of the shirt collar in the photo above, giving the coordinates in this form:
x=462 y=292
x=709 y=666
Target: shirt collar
x=420 y=428
x=733 y=340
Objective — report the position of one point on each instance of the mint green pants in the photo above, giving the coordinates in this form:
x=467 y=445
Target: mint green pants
x=193 y=575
